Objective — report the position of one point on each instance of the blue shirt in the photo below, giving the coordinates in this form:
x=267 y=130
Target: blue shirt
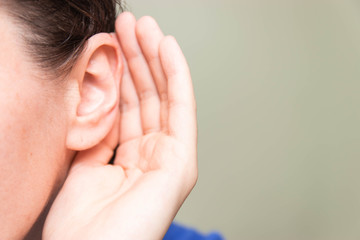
x=177 y=232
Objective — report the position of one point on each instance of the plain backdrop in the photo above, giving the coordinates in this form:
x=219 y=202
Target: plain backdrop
x=278 y=91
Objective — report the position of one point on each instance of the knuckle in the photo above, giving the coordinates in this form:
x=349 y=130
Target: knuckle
x=126 y=105
x=147 y=93
x=164 y=96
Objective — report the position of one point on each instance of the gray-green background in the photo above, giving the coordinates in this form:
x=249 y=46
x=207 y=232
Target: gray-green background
x=278 y=92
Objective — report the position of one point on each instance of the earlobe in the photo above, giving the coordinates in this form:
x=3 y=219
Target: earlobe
x=97 y=75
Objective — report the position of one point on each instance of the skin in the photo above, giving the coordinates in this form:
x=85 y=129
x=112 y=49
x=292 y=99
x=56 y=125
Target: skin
x=131 y=89
x=33 y=156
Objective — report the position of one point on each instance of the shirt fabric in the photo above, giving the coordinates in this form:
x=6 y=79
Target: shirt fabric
x=178 y=232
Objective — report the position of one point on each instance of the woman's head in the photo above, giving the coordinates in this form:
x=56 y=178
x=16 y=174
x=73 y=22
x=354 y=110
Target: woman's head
x=59 y=75
x=55 y=32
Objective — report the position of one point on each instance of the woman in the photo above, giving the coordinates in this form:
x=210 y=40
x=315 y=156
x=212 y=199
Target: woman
x=98 y=129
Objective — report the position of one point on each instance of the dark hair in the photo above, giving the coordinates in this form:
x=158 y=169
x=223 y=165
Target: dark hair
x=55 y=31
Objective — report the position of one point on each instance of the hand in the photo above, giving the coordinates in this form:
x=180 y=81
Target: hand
x=155 y=167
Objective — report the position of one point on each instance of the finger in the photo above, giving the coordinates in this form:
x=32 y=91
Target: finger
x=130 y=119
x=149 y=36
x=182 y=107
x=141 y=75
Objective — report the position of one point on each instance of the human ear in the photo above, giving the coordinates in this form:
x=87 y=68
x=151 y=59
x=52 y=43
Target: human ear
x=94 y=81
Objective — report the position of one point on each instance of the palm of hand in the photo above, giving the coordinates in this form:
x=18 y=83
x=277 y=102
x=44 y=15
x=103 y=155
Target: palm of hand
x=99 y=196
x=155 y=165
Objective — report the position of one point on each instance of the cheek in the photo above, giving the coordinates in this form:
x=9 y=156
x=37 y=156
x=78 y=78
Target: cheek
x=31 y=152
x=32 y=136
